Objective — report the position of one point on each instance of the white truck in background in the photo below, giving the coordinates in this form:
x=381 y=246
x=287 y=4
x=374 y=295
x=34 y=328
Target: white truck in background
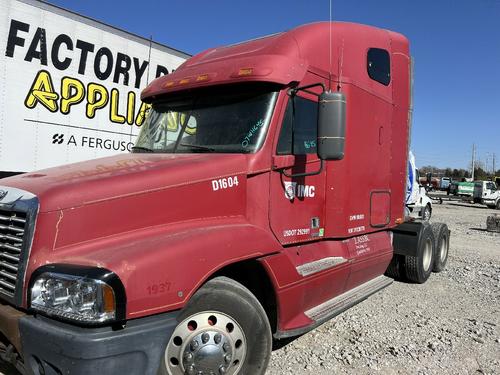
x=487 y=193
x=418 y=203
x=70 y=86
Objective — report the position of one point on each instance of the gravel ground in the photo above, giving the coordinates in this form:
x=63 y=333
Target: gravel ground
x=449 y=325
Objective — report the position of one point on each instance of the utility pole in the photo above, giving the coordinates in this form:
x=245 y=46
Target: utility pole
x=473 y=156
x=494 y=170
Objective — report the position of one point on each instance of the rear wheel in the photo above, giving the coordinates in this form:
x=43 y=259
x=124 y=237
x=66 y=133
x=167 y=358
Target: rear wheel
x=419 y=267
x=441 y=244
x=222 y=330
x=498 y=205
x=427 y=212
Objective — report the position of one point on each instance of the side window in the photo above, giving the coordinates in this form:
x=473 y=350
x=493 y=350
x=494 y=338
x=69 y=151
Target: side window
x=379 y=65
x=304 y=114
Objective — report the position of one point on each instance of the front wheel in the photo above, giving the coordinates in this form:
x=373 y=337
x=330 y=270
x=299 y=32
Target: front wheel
x=223 y=330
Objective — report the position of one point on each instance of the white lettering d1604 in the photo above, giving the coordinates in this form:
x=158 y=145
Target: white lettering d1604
x=225 y=183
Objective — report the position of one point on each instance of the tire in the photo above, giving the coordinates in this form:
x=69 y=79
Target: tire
x=441 y=244
x=427 y=213
x=418 y=268
x=395 y=269
x=226 y=320
x=498 y=205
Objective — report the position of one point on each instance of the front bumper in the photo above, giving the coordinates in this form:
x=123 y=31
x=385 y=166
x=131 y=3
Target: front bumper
x=53 y=348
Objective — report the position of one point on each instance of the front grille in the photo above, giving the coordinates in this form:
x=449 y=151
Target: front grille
x=12 y=228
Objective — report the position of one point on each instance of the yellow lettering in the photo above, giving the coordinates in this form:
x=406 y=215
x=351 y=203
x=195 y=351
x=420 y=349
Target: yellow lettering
x=191 y=127
x=72 y=92
x=113 y=109
x=130 y=108
x=142 y=114
x=42 y=91
x=172 y=121
x=97 y=98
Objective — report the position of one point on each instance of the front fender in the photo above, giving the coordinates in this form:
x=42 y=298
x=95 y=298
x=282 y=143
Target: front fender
x=162 y=267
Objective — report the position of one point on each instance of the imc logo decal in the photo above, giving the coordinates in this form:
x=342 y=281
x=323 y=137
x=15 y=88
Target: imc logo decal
x=293 y=190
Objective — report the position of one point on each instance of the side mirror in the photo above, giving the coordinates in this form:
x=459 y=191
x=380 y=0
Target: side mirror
x=331 y=126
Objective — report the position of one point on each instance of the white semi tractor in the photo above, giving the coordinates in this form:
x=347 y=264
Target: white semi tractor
x=418 y=203
x=70 y=86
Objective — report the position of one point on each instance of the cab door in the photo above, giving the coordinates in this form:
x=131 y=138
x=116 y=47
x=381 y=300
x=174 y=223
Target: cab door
x=297 y=199
x=297 y=208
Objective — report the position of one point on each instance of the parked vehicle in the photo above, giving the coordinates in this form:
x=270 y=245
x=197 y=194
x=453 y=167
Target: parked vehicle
x=487 y=193
x=444 y=184
x=417 y=201
x=265 y=195
x=70 y=86
x=465 y=188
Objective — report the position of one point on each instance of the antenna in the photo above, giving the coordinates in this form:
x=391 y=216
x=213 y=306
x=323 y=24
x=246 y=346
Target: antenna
x=330 y=47
x=341 y=65
x=149 y=57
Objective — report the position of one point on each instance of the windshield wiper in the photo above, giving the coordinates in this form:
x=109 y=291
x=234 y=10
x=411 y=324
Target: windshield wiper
x=201 y=147
x=134 y=148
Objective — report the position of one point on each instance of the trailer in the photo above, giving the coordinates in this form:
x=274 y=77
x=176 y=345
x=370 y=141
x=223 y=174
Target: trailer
x=70 y=86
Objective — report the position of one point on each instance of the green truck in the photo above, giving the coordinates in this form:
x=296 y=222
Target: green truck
x=462 y=188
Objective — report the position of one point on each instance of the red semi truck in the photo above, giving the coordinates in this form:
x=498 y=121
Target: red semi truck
x=264 y=196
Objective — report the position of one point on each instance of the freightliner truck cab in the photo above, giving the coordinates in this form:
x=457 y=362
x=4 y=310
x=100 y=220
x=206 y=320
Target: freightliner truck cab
x=264 y=196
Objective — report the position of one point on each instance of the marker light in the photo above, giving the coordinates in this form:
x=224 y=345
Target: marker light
x=243 y=72
x=202 y=78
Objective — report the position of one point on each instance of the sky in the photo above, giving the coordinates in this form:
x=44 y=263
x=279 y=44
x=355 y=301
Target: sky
x=455 y=45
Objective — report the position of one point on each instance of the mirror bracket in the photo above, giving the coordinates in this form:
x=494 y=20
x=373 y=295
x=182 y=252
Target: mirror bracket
x=293 y=92
x=294 y=175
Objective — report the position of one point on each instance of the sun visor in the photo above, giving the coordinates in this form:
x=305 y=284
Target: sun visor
x=262 y=68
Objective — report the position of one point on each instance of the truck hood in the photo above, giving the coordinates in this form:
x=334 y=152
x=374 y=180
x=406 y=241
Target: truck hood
x=121 y=176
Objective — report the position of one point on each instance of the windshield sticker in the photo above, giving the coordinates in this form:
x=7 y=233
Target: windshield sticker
x=251 y=133
x=310 y=144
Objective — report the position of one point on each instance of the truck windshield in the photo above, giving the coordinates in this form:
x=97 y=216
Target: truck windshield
x=227 y=122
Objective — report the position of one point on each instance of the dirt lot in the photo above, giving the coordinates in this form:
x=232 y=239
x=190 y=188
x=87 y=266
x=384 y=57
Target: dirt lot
x=450 y=325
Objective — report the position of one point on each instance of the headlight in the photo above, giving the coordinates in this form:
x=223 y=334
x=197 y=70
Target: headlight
x=72 y=297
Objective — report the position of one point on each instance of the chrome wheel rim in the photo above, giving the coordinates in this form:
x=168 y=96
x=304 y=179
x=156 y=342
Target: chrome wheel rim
x=206 y=343
x=427 y=214
x=427 y=255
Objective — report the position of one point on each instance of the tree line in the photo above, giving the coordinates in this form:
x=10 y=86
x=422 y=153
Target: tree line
x=457 y=174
